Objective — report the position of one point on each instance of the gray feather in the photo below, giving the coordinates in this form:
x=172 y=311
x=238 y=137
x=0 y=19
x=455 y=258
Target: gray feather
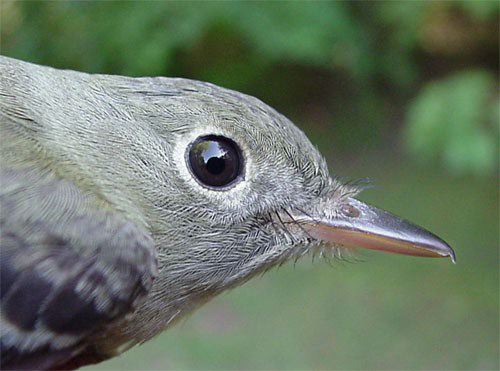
x=66 y=268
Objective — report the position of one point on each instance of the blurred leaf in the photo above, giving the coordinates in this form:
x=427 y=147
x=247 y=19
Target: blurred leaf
x=321 y=33
x=481 y=9
x=454 y=121
x=400 y=22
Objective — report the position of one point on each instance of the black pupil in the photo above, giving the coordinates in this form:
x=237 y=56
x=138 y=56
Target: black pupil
x=215 y=160
x=215 y=165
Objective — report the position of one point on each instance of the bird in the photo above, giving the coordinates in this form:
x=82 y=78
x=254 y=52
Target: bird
x=127 y=203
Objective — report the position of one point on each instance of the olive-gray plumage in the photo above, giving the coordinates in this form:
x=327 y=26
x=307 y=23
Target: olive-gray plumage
x=108 y=237
x=108 y=143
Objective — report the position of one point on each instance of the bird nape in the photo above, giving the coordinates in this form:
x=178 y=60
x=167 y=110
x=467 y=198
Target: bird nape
x=128 y=202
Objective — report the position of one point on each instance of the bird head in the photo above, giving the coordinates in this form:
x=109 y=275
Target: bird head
x=231 y=188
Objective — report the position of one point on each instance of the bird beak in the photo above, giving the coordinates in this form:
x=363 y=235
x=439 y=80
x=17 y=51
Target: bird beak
x=365 y=226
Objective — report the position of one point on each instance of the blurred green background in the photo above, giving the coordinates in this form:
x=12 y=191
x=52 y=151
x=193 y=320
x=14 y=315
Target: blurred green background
x=403 y=93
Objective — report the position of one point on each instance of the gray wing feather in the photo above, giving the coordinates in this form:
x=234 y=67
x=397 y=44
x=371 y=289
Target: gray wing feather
x=67 y=268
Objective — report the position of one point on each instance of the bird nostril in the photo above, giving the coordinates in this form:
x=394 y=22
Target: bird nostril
x=350 y=211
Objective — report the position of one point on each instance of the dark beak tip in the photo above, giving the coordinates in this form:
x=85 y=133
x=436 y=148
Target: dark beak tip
x=451 y=254
x=438 y=246
x=446 y=251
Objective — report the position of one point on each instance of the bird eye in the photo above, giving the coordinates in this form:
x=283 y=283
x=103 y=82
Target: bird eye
x=215 y=161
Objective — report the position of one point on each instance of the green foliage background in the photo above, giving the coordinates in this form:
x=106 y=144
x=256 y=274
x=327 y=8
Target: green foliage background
x=405 y=93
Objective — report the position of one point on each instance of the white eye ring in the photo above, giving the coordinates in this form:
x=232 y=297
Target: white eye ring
x=229 y=197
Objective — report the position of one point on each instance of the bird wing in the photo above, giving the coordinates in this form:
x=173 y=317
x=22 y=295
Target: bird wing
x=68 y=268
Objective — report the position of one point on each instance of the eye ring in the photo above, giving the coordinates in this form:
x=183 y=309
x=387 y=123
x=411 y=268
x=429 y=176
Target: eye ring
x=216 y=162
